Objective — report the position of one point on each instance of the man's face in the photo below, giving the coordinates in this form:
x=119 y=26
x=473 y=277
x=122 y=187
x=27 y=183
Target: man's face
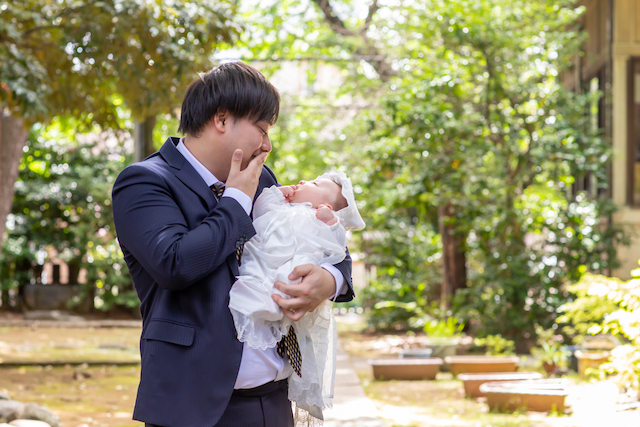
x=318 y=191
x=251 y=137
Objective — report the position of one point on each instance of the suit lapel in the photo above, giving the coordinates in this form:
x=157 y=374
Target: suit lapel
x=189 y=177
x=185 y=172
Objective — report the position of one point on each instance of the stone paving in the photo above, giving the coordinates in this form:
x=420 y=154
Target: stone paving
x=351 y=407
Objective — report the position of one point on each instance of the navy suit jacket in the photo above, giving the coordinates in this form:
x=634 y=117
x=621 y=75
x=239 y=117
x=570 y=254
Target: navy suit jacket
x=179 y=244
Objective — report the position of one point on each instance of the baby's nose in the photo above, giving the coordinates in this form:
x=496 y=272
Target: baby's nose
x=302 y=182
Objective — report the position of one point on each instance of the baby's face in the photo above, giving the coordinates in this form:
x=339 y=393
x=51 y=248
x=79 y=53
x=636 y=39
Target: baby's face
x=317 y=192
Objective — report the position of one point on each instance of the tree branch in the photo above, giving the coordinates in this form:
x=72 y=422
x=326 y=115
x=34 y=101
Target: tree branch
x=334 y=22
x=372 y=11
x=367 y=49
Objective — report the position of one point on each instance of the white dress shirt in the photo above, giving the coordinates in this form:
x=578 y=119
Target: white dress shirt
x=257 y=367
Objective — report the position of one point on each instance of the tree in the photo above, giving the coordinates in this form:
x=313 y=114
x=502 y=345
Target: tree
x=472 y=134
x=62 y=202
x=71 y=57
x=318 y=30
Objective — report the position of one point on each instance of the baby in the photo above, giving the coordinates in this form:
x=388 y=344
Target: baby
x=295 y=224
x=324 y=194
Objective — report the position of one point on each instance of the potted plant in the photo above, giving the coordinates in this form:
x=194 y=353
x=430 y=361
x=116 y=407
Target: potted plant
x=549 y=350
x=552 y=355
x=443 y=335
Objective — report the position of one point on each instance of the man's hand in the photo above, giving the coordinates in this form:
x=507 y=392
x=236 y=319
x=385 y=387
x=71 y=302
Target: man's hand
x=325 y=214
x=317 y=285
x=245 y=180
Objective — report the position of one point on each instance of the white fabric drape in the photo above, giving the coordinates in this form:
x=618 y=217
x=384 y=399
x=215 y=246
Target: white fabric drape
x=288 y=235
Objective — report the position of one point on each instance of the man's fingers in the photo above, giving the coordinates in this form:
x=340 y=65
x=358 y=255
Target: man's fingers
x=291 y=290
x=255 y=165
x=290 y=308
x=236 y=161
x=300 y=271
x=284 y=303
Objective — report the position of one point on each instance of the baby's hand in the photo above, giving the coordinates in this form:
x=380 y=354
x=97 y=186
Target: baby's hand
x=287 y=191
x=325 y=214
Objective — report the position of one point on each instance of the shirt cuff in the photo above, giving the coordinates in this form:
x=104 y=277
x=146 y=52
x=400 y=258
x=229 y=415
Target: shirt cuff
x=341 y=286
x=240 y=197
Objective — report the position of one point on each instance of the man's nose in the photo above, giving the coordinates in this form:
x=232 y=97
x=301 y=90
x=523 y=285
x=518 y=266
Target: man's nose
x=266 y=144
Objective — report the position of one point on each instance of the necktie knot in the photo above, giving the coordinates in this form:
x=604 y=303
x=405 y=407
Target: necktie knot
x=218 y=189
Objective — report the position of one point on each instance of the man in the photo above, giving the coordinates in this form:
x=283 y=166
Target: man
x=182 y=234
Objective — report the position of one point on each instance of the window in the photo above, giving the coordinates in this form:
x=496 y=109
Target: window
x=587 y=182
x=633 y=166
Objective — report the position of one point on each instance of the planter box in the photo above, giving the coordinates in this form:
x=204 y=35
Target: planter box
x=406 y=369
x=472 y=364
x=532 y=395
x=472 y=382
x=590 y=360
x=48 y=297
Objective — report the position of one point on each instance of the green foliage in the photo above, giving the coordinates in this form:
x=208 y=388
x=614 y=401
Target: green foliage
x=408 y=270
x=450 y=327
x=415 y=315
x=616 y=306
x=588 y=307
x=62 y=206
x=70 y=57
x=496 y=345
x=390 y=314
x=301 y=150
x=549 y=348
x=474 y=117
x=624 y=366
x=483 y=126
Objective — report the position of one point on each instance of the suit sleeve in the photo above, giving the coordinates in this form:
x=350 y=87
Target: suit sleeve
x=345 y=269
x=151 y=226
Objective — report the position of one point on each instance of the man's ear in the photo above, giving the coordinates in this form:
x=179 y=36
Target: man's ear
x=220 y=121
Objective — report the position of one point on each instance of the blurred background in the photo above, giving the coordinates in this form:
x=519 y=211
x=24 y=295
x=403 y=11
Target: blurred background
x=494 y=144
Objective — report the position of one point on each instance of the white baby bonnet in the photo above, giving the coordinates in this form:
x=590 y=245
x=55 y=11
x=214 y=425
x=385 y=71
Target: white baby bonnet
x=349 y=216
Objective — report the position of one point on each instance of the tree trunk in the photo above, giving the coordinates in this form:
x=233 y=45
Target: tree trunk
x=143 y=138
x=454 y=258
x=13 y=136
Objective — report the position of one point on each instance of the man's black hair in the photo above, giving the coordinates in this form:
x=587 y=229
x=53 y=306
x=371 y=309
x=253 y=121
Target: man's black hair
x=233 y=87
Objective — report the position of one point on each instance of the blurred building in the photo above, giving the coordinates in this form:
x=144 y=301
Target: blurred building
x=611 y=64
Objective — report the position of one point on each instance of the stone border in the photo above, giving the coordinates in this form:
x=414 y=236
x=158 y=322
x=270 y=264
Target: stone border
x=73 y=324
x=17 y=364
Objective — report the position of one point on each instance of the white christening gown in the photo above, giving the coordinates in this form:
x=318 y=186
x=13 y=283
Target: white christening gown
x=288 y=235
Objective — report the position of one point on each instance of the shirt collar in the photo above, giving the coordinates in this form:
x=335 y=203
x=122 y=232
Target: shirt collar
x=205 y=173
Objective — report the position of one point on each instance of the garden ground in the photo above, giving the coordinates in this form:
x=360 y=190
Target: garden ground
x=103 y=395
x=442 y=403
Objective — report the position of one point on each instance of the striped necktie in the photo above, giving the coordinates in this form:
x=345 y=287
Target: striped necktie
x=289 y=345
